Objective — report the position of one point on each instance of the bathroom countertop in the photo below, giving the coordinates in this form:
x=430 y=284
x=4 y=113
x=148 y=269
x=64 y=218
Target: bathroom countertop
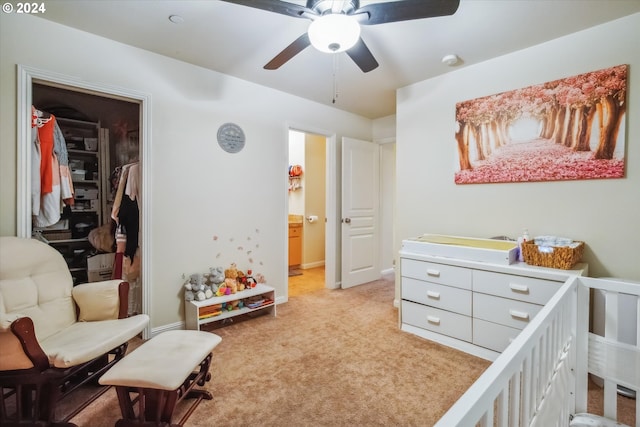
x=295 y=219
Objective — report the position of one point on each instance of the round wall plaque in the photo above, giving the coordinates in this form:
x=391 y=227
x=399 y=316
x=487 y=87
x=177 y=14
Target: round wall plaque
x=231 y=137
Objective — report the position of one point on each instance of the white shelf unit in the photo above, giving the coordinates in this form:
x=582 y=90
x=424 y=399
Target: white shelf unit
x=192 y=308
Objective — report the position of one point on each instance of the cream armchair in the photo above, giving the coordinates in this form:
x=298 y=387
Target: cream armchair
x=54 y=337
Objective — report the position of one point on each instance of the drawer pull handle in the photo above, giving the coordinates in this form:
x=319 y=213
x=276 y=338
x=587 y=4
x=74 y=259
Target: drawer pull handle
x=519 y=314
x=519 y=288
x=432 y=272
x=433 y=294
x=433 y=319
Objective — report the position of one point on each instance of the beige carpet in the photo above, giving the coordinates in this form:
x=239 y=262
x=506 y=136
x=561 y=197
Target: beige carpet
x=329 y=358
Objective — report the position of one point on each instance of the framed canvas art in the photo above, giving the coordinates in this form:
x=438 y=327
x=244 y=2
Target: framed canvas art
x=566 y=129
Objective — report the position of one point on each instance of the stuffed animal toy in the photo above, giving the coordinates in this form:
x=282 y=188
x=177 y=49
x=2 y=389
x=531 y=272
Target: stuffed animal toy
x=242 y=280
x=231 y=284
x=251 y=282
x=231 y=272
x=221 y=290
x=197 y=282
x=208 y=292
x=216 y=275
x=188 y=291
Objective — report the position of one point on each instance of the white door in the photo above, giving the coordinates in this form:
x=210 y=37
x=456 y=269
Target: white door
x=360 y=212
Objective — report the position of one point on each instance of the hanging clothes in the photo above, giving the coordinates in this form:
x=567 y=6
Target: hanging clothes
x=125 y=209
x=53 y=186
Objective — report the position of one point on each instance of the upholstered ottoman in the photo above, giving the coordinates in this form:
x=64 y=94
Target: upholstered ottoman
x=162 y=372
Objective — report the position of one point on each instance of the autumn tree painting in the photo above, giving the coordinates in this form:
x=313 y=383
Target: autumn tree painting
x=571 y=128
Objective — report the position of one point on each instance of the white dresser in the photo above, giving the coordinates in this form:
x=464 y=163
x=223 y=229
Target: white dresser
x=475 y=307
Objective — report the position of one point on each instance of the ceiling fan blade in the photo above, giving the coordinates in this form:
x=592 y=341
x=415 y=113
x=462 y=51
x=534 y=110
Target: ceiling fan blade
x=362 y=56
x=276 y=6
x=289 y=52
x=380 y=13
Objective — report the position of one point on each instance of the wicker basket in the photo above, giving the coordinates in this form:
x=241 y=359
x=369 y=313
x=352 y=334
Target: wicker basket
x=561 y=257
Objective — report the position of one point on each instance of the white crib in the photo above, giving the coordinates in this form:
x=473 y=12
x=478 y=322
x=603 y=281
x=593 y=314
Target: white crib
x=541 y=379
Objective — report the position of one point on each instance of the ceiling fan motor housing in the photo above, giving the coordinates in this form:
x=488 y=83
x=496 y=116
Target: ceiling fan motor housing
x=322 y=7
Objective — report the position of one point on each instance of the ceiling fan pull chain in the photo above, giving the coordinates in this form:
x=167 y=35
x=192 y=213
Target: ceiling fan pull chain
x=335 y=77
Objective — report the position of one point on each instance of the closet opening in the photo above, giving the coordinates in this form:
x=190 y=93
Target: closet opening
x=104 y=128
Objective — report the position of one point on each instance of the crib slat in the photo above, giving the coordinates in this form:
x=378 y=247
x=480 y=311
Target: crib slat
x=514 y=399
x=502 y=410
x=526 y=388
x=611 y=332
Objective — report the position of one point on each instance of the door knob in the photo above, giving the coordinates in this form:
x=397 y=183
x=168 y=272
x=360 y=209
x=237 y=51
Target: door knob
x=347 y=220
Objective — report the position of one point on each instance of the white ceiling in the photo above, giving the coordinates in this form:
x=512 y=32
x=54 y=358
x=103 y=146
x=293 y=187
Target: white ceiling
x=238 y=40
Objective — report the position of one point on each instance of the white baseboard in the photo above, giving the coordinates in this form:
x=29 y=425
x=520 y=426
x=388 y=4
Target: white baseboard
x=169 y=327
x=312 y=265
x=388 y=273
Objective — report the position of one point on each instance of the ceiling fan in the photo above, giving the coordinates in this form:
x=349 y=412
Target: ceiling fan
x=335 y=25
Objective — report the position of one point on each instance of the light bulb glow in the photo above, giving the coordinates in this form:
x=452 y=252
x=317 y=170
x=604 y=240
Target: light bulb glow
x=334 y=33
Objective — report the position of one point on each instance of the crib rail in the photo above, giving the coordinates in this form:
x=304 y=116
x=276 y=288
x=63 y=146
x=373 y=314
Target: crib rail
x=509 y=392
x=616 y=362
x=542 y=377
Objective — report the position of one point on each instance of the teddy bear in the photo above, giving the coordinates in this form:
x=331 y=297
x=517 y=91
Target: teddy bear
x=231 y=284
x=216 y=275
x=241 y=280
x=189 y=295
x=231 y=272
x=196 y=286
x=191 y=288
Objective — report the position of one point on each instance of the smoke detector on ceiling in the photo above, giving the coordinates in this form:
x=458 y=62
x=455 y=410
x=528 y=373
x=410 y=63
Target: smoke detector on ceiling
x=450 y=59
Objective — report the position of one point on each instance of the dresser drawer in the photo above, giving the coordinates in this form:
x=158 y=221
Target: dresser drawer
x=459 y=277
x=492 y=335
x=435 y=320
x=528 y=289
x=439 y=296
x=508 y=312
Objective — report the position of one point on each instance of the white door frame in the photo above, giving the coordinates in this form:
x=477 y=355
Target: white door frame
x=29 y=75
x=330 y=235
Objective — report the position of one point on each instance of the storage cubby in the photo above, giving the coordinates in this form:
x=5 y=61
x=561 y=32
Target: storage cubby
x=198 y=313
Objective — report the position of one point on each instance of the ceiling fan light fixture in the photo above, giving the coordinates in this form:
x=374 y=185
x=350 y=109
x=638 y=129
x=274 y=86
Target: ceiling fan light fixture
x=334 y=33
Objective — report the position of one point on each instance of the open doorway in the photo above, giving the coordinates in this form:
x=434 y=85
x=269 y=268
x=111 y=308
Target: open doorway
x=86 y=135
x=307 y=212
x=90 y=218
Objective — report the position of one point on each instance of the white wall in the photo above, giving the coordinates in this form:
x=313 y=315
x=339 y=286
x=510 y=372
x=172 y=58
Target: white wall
x=604 y=213
x=208 y=207
x=384 y=128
